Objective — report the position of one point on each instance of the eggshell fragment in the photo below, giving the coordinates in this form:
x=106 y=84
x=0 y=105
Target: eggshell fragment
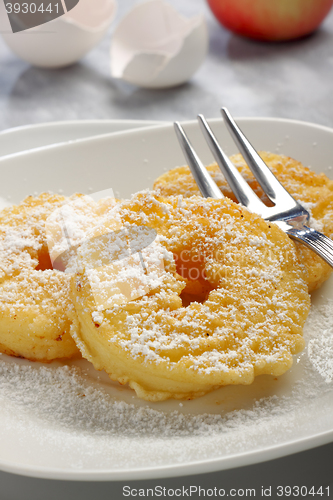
x=64 y=40
x=155 y=47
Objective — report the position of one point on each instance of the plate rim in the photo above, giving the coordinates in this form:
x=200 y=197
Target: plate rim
x=16 y=133
x=160 y=125
x=74 y=123
x=194 y=467
x=178 y=470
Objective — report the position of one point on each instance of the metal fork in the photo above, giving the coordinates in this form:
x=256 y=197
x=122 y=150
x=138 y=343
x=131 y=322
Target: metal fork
x=288 y=213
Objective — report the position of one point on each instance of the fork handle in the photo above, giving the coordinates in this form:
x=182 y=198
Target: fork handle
x=318 y=242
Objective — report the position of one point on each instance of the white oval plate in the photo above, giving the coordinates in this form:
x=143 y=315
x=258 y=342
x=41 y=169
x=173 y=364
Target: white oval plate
x=70 y=422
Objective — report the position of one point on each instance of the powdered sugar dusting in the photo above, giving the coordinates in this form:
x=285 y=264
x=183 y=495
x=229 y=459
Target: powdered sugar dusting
x=72 y=419
x=320 y=346
x=240 y=260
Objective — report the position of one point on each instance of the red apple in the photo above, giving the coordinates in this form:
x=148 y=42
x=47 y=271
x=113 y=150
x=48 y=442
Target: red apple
x=271 y=19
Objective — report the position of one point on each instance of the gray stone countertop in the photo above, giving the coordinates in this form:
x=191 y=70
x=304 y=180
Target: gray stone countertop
x=289 y=80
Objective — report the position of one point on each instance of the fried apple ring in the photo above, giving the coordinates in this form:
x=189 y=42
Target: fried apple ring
x=314 y=191
x=230 y=304
x=37 y=317
x=36 y=313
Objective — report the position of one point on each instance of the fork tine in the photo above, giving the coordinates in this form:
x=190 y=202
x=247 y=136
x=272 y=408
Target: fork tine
x=237 y=183
x=267 y=180
x=291 y=219
x=205 y=183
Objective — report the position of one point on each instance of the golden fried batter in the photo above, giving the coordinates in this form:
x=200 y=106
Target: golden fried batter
x=313 y=190
x=229 y=305
x=36 y=314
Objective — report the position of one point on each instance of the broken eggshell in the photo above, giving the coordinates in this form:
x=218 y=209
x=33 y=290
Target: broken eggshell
x=155 y=47
x=64 y=40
